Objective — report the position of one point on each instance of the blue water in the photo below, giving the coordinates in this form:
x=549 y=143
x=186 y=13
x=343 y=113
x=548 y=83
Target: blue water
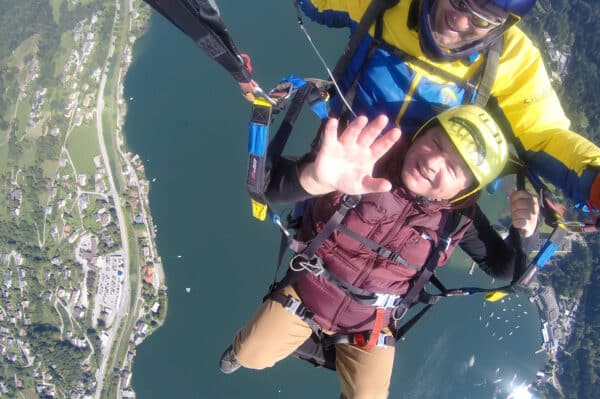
x=188 y=122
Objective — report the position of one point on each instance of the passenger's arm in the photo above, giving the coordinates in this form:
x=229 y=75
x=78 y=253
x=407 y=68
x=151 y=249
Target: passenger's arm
x=495 y=256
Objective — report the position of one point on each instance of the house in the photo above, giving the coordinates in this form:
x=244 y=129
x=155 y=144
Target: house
x=149 y=274
x=16 y=195
x=82 y=180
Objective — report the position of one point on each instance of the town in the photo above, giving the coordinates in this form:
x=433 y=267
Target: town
x=70 y=319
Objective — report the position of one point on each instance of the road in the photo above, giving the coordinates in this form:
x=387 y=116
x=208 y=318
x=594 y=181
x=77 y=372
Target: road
x=123 y=308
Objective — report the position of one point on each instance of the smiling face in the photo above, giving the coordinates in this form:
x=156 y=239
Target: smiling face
x=433 y=167
x=456 y=23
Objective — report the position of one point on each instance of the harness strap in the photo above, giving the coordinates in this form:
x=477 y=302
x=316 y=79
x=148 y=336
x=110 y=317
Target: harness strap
x=378 y=249
x=307 y=252
x=201 y=21
x=295 y=307
x=258 y=136
x=427 y=66
x=359 y=339
x=348 y=202
x=376 y=8
x=413 y=294
x=316 y=267
x=380 y=341
x=262 y=155
x=375 y=337
x=490 y=70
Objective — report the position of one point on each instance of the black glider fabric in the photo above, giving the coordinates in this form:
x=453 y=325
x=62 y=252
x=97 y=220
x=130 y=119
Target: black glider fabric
x=200 y=20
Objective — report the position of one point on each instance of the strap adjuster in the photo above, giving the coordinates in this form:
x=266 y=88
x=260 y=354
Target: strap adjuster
x=297 y=308
x=445 y=243
x=387 y=301
x=350 y=201
x=385 y=340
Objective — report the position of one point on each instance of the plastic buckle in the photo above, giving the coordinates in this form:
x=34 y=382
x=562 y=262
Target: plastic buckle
x=292 y=305
x=445 y=242
x=386 y=301
x=350 y=201
x=382 y=341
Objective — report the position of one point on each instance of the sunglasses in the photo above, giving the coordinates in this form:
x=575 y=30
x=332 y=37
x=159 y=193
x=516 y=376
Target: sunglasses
x=475 y=18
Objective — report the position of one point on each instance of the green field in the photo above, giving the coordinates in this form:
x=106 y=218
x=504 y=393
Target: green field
x=3 y=157
x=66 y=44
x=55 y=4
x=83 y=147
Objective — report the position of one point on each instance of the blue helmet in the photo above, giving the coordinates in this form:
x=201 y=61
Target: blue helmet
x=513 y=9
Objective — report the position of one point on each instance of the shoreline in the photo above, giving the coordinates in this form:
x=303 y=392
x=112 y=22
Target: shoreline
x=148 y=278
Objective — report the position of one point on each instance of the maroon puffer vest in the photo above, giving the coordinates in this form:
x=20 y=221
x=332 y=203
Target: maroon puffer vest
x=394 y=220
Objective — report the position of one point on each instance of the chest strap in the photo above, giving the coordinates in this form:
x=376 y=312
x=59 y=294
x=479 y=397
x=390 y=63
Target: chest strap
x=378 y=249
x=316 y=267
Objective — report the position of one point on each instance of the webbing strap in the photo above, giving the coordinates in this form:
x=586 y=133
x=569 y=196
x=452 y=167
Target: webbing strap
x=412 y=296
x=348 y=202
x=373 y=11
x=427 y=66
x=295 y=307
x=540 y=260
x=307 y=93
x=489 y=72
x=298 y=309
x=372 y=340
x=200 y=20
x=258 y=136
x=378 y=249
x=262 y=155
x=316 y=267
x=351 y=339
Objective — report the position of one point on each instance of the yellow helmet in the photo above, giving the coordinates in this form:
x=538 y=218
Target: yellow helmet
x=478 y=139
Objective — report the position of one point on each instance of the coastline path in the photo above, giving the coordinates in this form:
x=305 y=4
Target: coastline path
x=125 y=293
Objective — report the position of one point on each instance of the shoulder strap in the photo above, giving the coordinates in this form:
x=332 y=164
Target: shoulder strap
x=376 y=8
x=308 y=251
x=489 y=72
x=452 y=225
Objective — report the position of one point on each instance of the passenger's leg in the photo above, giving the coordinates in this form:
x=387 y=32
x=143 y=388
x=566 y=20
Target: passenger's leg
x=272 y=335
x=365 y=374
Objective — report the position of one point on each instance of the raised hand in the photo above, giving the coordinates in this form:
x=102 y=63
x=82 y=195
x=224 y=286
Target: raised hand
x=524 y=209
x=345 y=163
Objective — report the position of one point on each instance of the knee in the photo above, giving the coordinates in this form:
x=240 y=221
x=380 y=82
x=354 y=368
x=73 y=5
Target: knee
x=253 y=358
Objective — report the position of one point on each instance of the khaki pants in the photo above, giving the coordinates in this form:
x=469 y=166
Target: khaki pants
x=274 y=334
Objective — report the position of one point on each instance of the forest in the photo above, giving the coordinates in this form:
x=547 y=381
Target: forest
x=573 y=25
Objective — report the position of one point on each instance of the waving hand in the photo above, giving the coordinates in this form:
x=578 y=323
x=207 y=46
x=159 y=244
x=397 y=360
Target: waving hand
x=345 y=163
